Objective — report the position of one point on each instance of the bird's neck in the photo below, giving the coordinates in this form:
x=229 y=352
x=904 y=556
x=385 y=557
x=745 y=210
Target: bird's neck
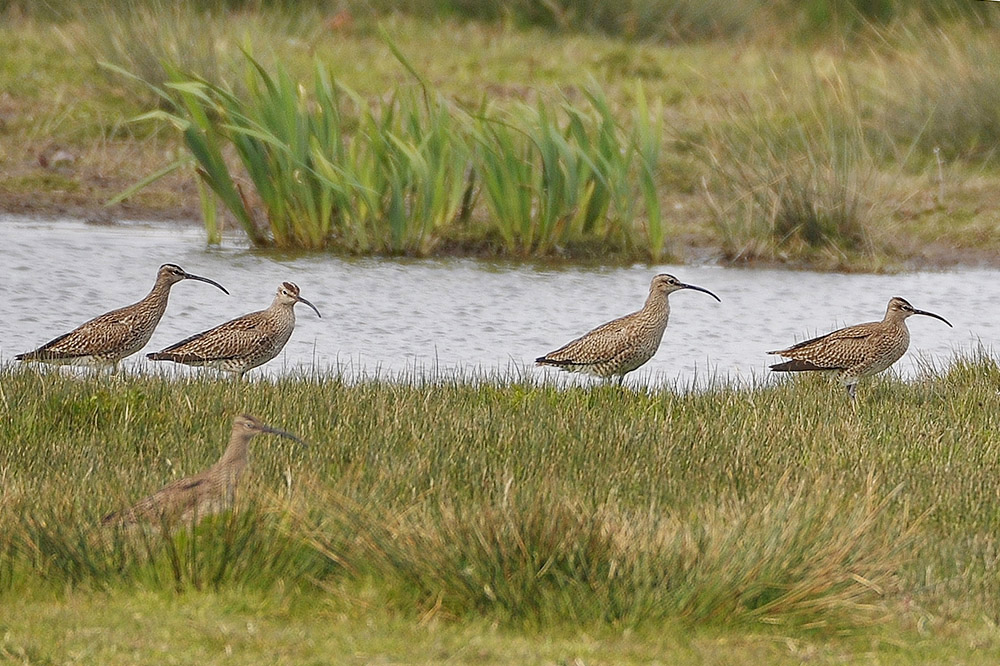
x=159 y=294
x=283 y=309
x=894 y=318
x=657 y=304
x=235 y=456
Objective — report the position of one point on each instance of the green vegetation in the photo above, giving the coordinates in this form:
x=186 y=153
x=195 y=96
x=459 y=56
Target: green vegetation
x=330 y=171
x=747 y=512
x=856 y=135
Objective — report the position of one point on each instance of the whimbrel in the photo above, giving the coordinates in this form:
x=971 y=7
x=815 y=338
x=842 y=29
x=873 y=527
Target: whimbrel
x=622 y=345
x=243 y=343
x=106 y=340
x=205 y=493
x=858 y=351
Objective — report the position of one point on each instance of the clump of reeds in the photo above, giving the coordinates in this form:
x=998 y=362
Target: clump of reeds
x=551 y=176
x=326 y=168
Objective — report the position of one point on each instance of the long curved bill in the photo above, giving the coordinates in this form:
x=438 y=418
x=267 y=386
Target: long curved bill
x=691 y=286
x=302 y=300
x=931 y=314
x=189 y=276
x=282 y=433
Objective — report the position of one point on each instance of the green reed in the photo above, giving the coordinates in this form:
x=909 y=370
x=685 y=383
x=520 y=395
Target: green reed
x=324 y=167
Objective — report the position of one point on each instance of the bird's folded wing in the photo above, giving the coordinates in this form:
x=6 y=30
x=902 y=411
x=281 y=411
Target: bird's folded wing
x=840 y=349
x=109 y=331
x=228 y=340
x=598 y=345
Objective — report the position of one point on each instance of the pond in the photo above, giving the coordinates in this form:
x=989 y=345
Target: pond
x=400 y=318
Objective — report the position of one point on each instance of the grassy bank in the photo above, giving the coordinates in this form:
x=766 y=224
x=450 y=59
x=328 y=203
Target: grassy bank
x=783 y=520
x=864 y=149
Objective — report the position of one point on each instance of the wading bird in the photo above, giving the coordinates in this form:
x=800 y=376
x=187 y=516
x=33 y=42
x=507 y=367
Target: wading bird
x=205 y=493
x=622 y=345
x=106 y=340
x=857 y=351
x=243 y=343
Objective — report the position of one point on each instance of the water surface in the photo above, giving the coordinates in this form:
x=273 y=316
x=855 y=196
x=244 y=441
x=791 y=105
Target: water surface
x=461 y=316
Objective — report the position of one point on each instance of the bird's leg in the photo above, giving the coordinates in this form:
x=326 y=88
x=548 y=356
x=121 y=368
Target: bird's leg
x=851 y=389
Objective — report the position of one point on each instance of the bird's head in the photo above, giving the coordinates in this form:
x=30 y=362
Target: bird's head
x=288 y=294
x=667 y=284
x=248 y=426
x=172 y=274
x=900 y=308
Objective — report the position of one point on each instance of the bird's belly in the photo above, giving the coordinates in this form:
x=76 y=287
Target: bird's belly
x=882 y=363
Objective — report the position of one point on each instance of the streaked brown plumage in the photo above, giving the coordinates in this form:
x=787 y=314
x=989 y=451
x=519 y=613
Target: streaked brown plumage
x=206 y=493
x=243 y=343
x=622 y=345
x=858 y=351
x=106 y=340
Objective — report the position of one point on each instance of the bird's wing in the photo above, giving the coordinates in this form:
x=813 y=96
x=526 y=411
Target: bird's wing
x=111 y=330
x=598 y=345
x=231 y=339
x=840 y=349
x=173 y=498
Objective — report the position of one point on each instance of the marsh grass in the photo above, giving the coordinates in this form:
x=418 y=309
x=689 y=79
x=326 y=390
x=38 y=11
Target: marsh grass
x=144 y=38
x=898 y=82
x=791 y=179
x=948 y=99
x=661 y=20
x=522 y=502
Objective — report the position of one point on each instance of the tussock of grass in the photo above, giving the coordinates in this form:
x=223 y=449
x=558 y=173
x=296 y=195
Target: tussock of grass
x=249 y=547
x=947 y=101
x=535 y=557
x=143 y=38
x=792 y=181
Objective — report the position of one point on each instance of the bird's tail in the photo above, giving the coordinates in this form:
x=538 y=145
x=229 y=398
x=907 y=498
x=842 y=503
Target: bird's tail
x=161 y=356
x=796 y=365
x=554 y=362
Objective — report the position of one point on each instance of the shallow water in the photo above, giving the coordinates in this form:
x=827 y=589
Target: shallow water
x=461 y=316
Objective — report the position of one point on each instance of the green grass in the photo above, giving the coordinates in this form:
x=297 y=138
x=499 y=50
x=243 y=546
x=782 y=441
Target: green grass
x=538 y=510
x=331 y=170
